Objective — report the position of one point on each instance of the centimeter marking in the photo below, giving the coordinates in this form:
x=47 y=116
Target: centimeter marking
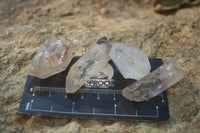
x=86 y=113
x=29 y=107
x=83 y=90
x=94 y=91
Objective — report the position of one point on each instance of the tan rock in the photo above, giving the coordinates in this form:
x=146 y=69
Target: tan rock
x=72 y=127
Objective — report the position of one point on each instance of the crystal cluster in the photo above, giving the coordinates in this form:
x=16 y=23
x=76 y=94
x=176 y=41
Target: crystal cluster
x=154 y=83
x=53 y=57
x=130 y=61
x=56 y=54
x=87 y=66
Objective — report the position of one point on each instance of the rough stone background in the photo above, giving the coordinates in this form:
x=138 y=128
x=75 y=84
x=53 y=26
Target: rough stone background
x=26 y=24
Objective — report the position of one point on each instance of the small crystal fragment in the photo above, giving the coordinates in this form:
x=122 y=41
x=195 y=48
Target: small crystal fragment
x=154 y=83
x=53 y=57
x=87 y=66
x=130 y=61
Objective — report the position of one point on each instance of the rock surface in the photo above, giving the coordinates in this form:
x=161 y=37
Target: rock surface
x=130 y=61
x=87 y=66
x=53 y=57
x=154 y=83
x=26 y=24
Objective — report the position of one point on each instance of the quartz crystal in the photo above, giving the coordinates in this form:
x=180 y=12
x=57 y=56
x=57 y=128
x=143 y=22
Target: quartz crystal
x=106 y=72
x=53 y=57
x=130 y=61
x=154 y=83
x=87 y=66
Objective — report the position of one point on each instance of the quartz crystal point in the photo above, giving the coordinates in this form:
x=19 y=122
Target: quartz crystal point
x=130 y=61
x=53 y=57
x=154 y=83
x=87 y=66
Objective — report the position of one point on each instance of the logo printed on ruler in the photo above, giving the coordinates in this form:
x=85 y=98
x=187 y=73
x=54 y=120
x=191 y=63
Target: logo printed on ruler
x=103 y=78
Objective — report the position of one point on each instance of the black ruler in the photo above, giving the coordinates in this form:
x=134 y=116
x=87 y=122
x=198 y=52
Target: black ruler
x=48 y=97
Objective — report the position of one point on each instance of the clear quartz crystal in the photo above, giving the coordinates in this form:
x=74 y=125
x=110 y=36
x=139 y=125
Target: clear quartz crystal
x=106 y=72
x=87 y=66
x=154 y=83
x=53 y=57
x=130 y=61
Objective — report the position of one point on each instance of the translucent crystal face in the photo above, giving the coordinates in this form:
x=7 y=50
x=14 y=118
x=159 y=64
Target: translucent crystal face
x=154 y=83
x=87 y=66
x=53 y=57
x=130 y=61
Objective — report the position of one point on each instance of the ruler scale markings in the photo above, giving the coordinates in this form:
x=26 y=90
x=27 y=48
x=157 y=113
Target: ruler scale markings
x=33 y=92
x=31 y=104
x=31 y=89
x=115 y=109
x=51 y=108
x=51 y=99
x=73 y=107
x=157 y=108
x=49 y=94
x=114 y=98
x=98 y=91
x=93 y=110
x=85 y=113
x=163 y=98
x=92 y=91
x=27 y=106
x=98 y=96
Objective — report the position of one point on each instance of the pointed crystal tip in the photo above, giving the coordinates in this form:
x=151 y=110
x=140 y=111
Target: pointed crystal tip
x=154 y=83
x=87 y=66
x=53 y=57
